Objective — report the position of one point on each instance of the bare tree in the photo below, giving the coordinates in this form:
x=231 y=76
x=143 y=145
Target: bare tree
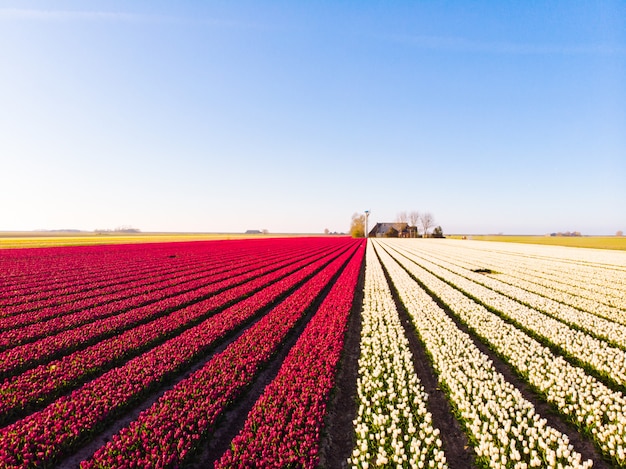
x=427 y=221
x=402 y=217
x=414 y=218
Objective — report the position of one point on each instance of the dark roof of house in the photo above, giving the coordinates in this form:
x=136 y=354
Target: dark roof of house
x=382 y=228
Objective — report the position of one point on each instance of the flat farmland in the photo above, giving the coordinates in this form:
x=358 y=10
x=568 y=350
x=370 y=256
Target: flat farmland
x=38 y=239
x=525 y=348
x=313 y=352
x=593 y=242
x=136 y=355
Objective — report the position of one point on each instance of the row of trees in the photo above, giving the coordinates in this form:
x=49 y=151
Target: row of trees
x=425 y=221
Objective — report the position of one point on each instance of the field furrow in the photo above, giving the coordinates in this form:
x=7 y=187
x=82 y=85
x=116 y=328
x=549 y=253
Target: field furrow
x=199 y=400
x=503 y=427
x=313 y=352
x=581 y=399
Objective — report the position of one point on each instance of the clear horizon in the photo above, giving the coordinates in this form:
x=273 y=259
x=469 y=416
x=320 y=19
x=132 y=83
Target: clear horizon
x=228 y=116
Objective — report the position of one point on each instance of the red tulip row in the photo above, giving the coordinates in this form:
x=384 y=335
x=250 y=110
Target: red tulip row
x=136 y=264
x=79 y=302
x=35 y=290
x=30 y=354
x=283 y=428
x=45 y=268
x=81 y=311
x=42 y=437
x=42 y=383
x=108 y=286
x=164 y=434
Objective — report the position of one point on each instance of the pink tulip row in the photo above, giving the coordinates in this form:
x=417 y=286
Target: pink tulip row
x=102 y=289
x=45 y=381
x=24 y=271
x=164 y=434
x=44 y=436
x=38 y=292
x=110 y=286
x=49 y=321
x=284 y=426
x=106 y=289
x=65 y=313
x=130 y=263
x=31 y=354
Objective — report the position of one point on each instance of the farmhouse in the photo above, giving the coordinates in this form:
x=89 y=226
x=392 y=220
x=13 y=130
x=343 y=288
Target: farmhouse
x=393 y=230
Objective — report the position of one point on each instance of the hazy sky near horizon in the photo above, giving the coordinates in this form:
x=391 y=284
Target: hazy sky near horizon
x=291 y=116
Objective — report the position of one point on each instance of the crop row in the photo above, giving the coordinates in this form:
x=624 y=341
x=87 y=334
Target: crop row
x=500 y=292
x=47 y=435
x=586 y=402
x=144 y=265
x=607 y=360
x=35 y=294
x=170 y=382
x=543 y=295
x=502 y=425
x=155 y=439
x=49 y=347
x=35 y=270
x=284 y=426
x=102 y=290
x=595 y=271
x=393 y=425
x=571 y=287
x=136 y=292
x=41 y=383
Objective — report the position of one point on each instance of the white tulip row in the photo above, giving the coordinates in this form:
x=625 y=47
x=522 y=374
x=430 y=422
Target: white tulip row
x=393 y=426
x=606 y=285
x=585 y=258
x=597 y=326
x=598 y=302
x=607 y=360
x=605 y=271
x=582 y=399
x=557 y=265
x=602 y=299
x=504 y=427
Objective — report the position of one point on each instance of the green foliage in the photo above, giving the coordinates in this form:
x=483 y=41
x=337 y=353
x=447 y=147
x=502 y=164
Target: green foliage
x=437 y=232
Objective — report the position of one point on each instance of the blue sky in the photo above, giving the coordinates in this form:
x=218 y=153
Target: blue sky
x=291 y=116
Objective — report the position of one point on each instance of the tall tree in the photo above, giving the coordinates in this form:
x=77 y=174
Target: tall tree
x=357 y=227
x=414 y=218
x=427 y=220
x=402 y=217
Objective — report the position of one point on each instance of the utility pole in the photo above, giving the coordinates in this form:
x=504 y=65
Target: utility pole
x=367 y=214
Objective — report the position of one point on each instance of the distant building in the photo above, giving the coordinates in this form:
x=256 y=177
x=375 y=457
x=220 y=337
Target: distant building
x=253 y=232
x=393 y=230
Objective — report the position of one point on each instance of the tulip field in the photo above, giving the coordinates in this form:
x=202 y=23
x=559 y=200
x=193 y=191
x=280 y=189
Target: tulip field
x=307 y=352
x=172 y=335
x=509 y=330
